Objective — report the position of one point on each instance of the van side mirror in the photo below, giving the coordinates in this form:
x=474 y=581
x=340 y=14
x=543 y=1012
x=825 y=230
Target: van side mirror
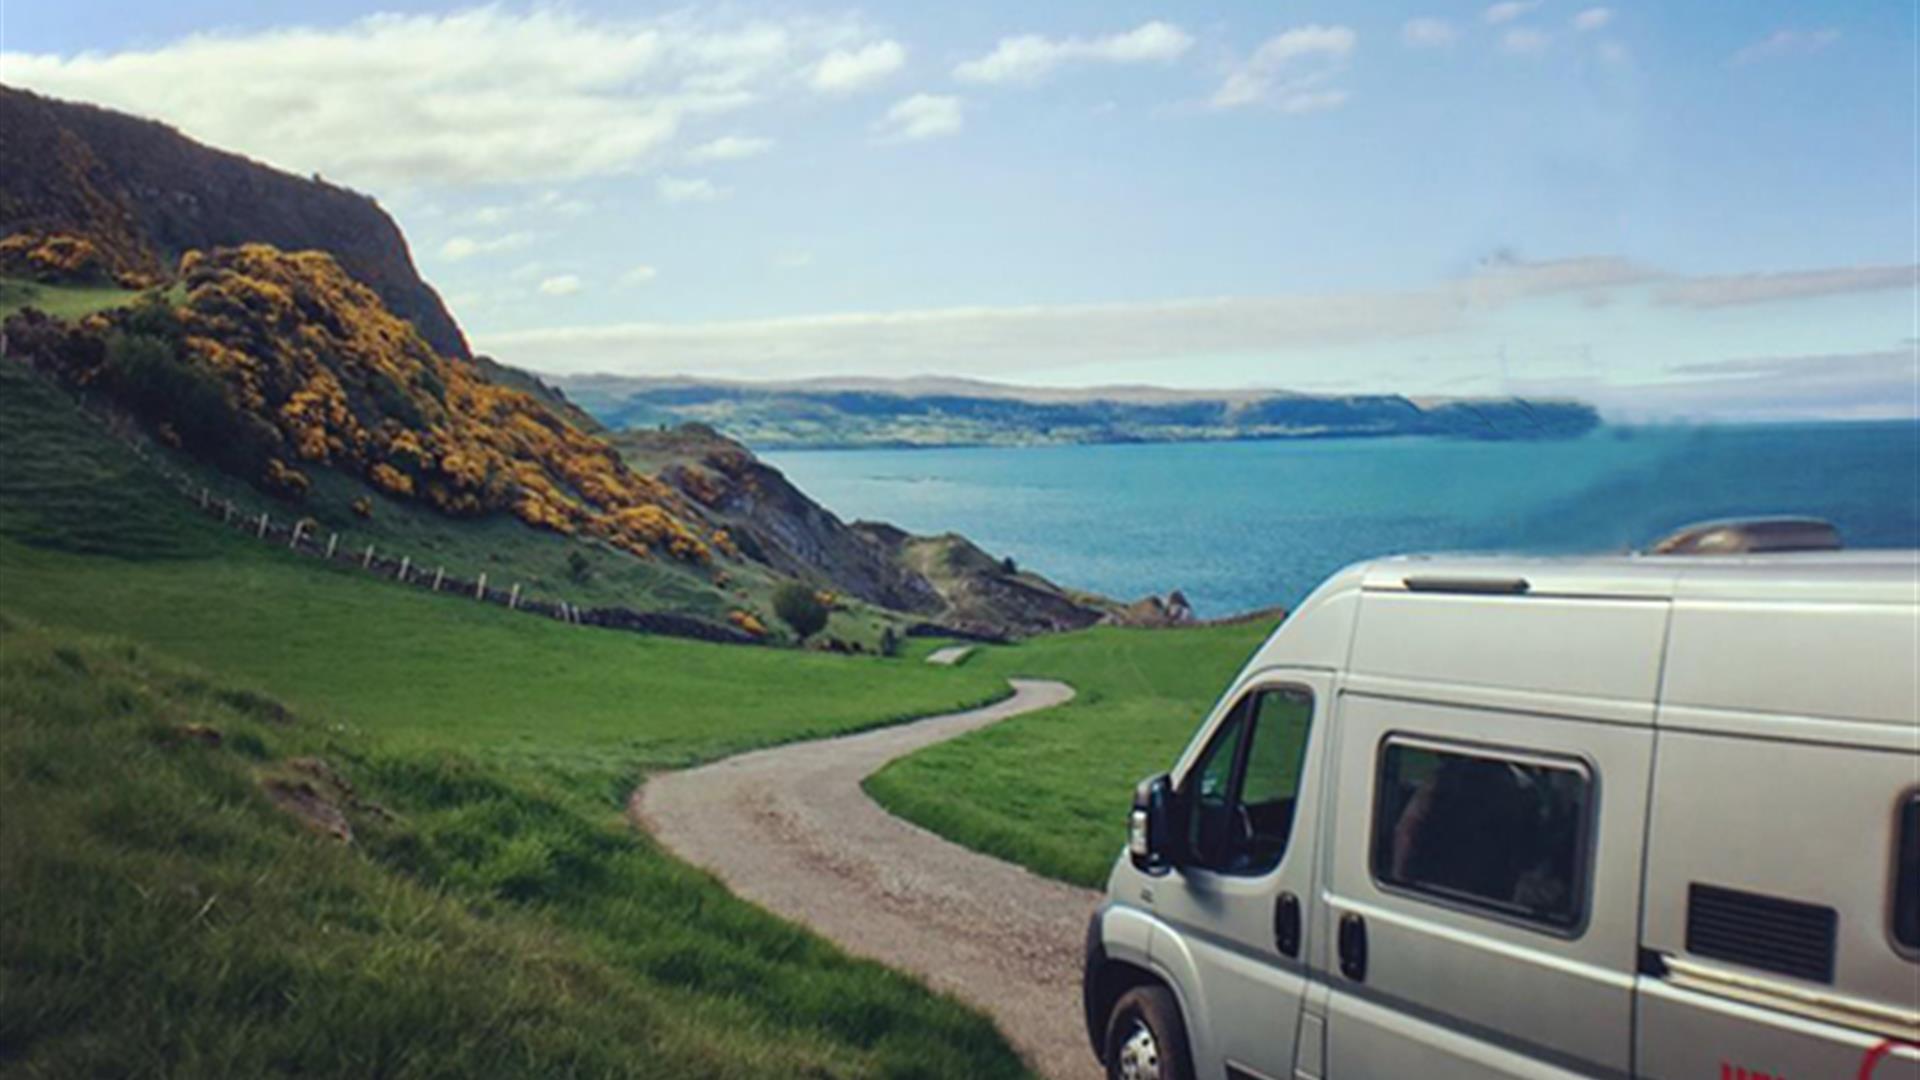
x=1150 y=836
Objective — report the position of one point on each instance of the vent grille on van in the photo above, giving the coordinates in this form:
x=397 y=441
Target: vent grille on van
x=1782 y=936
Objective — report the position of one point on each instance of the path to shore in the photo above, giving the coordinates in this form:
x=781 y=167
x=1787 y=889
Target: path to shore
x=790 y=829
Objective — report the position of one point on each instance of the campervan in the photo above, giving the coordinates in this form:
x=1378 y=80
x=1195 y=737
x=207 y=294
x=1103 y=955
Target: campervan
x=1650 y=815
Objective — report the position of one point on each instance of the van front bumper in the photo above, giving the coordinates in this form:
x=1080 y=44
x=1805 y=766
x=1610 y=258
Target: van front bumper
x=1093 y=996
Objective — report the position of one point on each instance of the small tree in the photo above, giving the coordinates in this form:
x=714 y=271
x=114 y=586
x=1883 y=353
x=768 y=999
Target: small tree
x=800 y=609
x=579 y=569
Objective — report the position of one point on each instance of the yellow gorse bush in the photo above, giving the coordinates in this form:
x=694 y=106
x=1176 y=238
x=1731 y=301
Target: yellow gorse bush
x=299 y=344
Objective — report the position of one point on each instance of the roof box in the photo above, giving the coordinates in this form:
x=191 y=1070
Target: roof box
x=1751 y=536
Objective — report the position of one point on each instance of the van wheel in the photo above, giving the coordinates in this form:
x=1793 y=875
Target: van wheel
x=1146 y=1039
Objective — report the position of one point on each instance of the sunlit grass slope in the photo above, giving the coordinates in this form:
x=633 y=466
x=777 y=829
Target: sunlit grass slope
x=161 y=917
x=1050 y=791
x=494 y=915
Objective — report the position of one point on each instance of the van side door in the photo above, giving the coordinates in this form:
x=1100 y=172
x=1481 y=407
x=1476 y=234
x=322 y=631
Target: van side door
x=1483 y=896
x=1783 y=861
x=1234 y=909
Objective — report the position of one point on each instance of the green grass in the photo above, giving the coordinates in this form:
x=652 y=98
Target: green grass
x=161 y=917
x=60 y=301
x=1050 y=791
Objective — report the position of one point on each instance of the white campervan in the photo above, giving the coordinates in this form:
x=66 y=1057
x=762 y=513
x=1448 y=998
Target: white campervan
x=1635 y=816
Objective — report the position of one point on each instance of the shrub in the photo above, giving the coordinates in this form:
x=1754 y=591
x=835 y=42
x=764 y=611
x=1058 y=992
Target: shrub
x=800 y=608
x=579 y=569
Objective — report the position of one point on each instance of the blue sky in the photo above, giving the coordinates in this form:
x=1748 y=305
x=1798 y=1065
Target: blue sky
x=1696 y=210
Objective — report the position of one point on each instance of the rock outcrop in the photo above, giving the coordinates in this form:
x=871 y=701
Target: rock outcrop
x=142 y=194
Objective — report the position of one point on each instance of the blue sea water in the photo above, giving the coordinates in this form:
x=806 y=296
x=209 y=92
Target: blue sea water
x=1241 y=525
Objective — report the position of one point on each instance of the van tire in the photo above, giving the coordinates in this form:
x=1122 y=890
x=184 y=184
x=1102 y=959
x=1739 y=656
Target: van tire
x=1153 y=1009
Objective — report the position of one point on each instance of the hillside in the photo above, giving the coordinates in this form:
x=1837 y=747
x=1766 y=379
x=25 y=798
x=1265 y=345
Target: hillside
x=946 y=580
x=269 y=333
x=267 y=817
x=141 y=195
x=949 y=412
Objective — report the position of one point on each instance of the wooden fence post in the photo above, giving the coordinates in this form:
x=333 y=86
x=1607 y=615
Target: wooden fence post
x=298 y=528
x=263 y=525
x=205 y=497
x=513 y=597
x=333 y=541
x=438 y=573
x=228 y=515
x=366 y=561
x=480 y=590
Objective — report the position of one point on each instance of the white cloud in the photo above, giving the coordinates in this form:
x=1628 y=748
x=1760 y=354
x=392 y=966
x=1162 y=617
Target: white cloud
x=547 y=202
x=978 y=340
x=1290 y=71
x=562 y=285
x=486 y=95
x=1613 y=52
x=843 y=71
x=639 y=275
x=922 y=116
x=466 y=247
x=674 y=189
x=1658 y=359
x=556 y=202
x=1782 y=43
x=1522 y=41
x=730 y=148
x=1592 y=19
x=1028 y=57
x=1427 y=33
x=1736 y=289
x=1508 y=11
x=1876 y=385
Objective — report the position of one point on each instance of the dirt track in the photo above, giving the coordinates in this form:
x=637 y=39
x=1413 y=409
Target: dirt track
x=790 y=829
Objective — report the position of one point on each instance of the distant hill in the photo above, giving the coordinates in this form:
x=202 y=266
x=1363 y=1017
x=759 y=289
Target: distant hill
x=955 y=412
x=140 y=195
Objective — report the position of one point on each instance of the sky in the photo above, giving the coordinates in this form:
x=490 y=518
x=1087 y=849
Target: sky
x=1675 y=210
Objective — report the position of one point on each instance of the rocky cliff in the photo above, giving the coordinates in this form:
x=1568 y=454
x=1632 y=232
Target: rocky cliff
x=946 y=580
x=143 y=195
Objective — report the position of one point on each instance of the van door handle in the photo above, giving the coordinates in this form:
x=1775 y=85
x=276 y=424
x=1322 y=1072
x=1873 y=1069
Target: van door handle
x=1286 y=925
x=1353 y=947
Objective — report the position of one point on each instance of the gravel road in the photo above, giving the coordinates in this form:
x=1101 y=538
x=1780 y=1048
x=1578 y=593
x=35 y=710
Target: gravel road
x=789 y=828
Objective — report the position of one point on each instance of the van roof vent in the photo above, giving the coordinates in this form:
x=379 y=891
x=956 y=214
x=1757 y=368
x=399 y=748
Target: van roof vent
x=1751 y=536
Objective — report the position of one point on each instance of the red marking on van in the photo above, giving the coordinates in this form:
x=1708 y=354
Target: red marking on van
x=1872 y=1060
x=1730 y=1071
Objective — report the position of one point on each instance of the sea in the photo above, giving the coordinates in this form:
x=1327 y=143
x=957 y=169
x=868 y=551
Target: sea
x=1238 y=526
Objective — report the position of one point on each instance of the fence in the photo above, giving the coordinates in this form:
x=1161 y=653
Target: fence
x=334 y=547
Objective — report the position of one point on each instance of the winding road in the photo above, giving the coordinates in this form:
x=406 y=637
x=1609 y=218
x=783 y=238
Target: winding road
x=790 y=829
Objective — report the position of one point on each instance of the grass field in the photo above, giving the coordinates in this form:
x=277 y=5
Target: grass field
x=162 y=917
x=60 y=301
x=1051 y=790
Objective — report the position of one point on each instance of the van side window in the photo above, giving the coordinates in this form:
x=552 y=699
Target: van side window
x=1504 y=833
x=1240 y=797
x=1906 y=877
